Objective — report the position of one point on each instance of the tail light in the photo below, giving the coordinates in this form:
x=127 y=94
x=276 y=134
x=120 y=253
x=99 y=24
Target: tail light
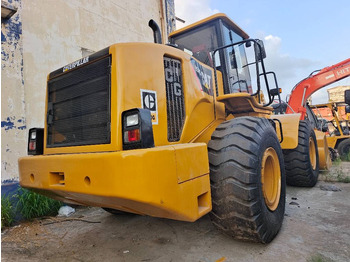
x=36 y=141
x=137 y=129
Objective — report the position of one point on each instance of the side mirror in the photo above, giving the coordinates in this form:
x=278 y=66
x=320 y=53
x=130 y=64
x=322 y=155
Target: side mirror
x=347 y=97
x=259 y=52
x=275 y=91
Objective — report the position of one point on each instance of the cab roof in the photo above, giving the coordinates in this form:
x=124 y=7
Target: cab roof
x=209 y=19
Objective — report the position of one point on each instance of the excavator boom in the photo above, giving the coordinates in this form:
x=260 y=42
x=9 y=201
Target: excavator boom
x=305 y=88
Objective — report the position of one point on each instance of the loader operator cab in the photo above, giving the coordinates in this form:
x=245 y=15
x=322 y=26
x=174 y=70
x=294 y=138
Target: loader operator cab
x=221 y=44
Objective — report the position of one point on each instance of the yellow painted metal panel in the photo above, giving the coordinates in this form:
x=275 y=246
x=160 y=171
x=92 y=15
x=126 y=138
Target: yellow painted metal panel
x=323 y=152
x=220 y=107
x=192 y=161
x=332 y=141
x=290 y=127
x=143 y=181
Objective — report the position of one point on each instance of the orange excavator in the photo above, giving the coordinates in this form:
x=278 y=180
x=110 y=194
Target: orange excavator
x=298 y=98
x=315 y=81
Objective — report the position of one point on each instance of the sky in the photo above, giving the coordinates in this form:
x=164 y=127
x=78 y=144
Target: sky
x=299 y=36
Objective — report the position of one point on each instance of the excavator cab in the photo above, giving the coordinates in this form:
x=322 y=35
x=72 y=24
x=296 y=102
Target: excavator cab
x=222 y=45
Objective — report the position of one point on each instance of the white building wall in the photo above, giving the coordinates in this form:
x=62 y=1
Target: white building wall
x=55 y=33
x=13 y=126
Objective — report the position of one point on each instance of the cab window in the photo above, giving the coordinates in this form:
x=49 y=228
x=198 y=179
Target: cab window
x=237 y=70
x=200 y=43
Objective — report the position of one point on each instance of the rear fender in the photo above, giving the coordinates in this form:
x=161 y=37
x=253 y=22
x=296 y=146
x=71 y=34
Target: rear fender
x=323 y=151
x=290 y=128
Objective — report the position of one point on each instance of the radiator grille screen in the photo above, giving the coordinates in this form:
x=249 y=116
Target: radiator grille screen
x=79 y=106
x=175 y=98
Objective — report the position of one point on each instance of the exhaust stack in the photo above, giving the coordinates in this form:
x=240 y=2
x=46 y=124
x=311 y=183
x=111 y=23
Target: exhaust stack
x=156 y=31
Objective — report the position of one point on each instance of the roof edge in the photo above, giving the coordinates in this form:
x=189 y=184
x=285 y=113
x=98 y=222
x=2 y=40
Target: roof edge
x=209 y=19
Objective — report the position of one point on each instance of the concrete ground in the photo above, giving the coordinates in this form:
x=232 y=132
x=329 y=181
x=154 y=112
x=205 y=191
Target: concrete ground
x=315 y=228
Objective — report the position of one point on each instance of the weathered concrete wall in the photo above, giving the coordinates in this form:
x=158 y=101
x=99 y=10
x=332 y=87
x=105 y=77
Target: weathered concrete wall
x=13 y=126
x=336 y=94
x=55 y=33
x=170 y=16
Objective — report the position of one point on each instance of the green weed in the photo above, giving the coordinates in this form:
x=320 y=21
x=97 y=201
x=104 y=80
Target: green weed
x=347 y=157
x=7 y=212
x=341 y=177
x=336 y=176
x=337 y=161
x=31 y=205
x=318 y=258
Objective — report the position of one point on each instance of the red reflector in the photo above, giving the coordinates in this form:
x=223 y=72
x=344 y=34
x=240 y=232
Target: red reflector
x=32 y=145
x=134 y=135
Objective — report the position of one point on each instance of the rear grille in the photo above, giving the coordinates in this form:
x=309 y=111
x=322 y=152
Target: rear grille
x=175 y=98
x=79 y=106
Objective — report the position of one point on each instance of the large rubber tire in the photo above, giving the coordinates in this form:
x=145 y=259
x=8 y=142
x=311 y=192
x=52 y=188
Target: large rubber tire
x=242 y=151
x=344 y=148
x=302 y=162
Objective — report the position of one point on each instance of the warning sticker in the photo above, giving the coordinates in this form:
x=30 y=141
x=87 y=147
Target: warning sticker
x=149 y=101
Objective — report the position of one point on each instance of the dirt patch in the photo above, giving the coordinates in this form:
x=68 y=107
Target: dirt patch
x=339 y=172
x=315 y=227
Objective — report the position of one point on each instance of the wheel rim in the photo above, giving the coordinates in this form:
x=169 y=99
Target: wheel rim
x=271 y=178
x=312 y=153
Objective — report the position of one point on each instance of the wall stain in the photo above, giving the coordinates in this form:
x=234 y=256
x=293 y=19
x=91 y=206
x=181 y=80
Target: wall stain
x=11 y=32
x=170 y=15
x=9 y=181
x=10 y=123
x=3 y=37
x=4 y=56
x=4 y=164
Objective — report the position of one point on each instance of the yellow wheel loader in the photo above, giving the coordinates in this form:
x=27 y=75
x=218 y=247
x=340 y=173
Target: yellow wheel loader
x=337 y=130
x=173 y=131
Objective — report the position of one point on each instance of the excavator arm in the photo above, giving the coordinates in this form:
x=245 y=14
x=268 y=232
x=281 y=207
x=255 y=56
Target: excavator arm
x=305 y=88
